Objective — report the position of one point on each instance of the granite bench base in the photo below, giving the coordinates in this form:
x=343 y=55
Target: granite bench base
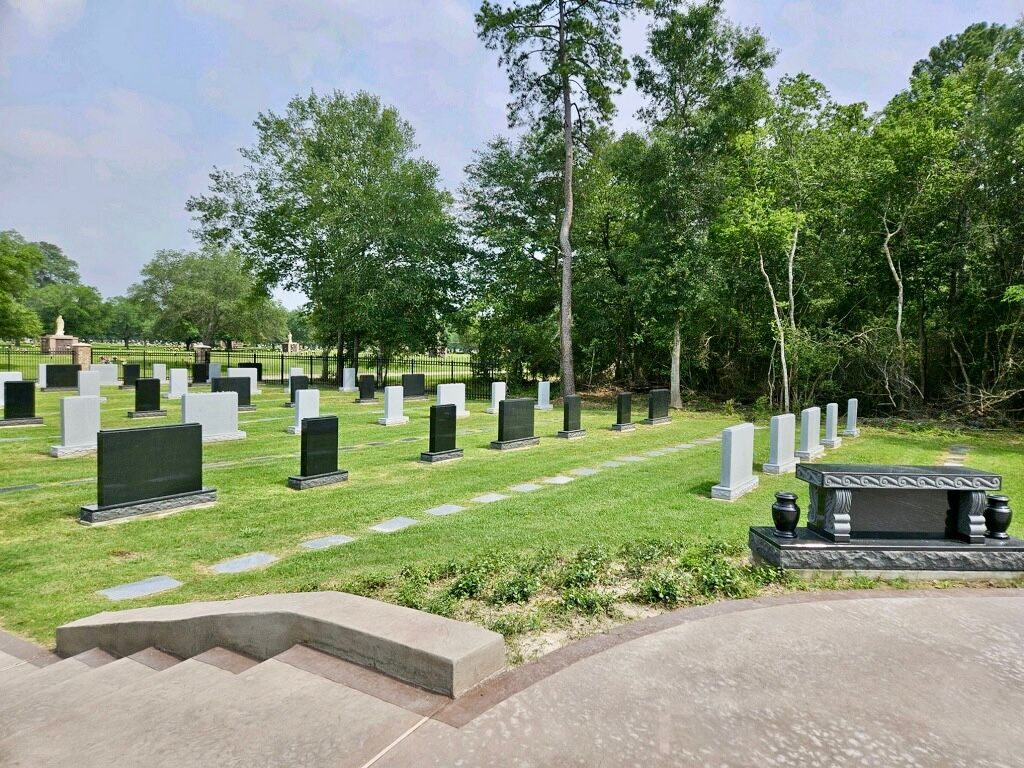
x=511 y=445
x=657 y=421
x=623 y=427
x=71 y=451
x=436 y=456
x=146 y=414
x=571 y=434
x=809 y=551
x=302 y=482
x=93 y=514
x=33 y=421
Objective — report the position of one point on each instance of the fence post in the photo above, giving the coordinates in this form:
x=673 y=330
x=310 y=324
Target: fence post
x=282 y=369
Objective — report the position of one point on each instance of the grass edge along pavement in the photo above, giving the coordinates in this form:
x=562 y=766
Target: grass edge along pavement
x=51 y=568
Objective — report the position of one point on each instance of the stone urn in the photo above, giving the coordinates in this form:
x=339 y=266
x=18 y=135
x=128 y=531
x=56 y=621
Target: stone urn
x=786 y=514
x=997 y=517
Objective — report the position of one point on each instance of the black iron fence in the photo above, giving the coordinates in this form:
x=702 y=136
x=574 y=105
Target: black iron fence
x=322 y=369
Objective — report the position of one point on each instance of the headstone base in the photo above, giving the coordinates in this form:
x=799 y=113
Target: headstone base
x=95 y=515
x=723 y=493
x=393 y=422
x=367 y=401
x=780 y=469
x=491 y=410
x=288 y=405
x=347 y=389
x=247 y=408
x=436 y=456
x=623 y=427
x=71 y=451
x=32 y=421
x=572 y=434
x=222 y=437
x=808 y=455
x=511 y=445
x=851 y=433
x=539 y=407
x=657 y=421
x=173 y=397
x=302 y=482
x=415 y=397
x=832 y=443
x=809 y=551
x=146 y=414
x=60 y=389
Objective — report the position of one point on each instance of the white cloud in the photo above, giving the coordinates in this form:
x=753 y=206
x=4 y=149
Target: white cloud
x=26 y=24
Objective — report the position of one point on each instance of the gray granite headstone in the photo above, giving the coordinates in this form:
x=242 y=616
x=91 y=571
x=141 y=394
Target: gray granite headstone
x=810 y=434
x=851 y=418
x=737 y=476
x=832 y=438
x=781 y=442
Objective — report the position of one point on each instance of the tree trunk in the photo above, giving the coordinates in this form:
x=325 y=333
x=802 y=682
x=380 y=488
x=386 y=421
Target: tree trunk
x=565 y=321
x=781 y=330
x=674 y=385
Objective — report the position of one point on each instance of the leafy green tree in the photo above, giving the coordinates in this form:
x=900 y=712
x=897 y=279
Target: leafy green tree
x=57 y=267
x=81 y=306
x=333 y=203
x=128 y=319
x=208 y=296
x=564 y=64
x=18 y=262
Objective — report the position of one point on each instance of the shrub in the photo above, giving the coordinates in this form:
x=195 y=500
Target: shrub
x=586 y=601
x=662 y=587
x=515 y=589
x=715 y=576
x=585 y=568
x=467 y=585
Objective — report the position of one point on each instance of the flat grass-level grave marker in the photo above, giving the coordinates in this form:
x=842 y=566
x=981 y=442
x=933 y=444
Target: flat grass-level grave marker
x=781 y=442
x=572 y=405
x=215 y=412
x=296 y=382
x=490 y=498
x=178 y=383
x=147 y=400
x=242 y=385
x=79 y=425
x=445 y=509
x=392 y=525
x=367 y=390
x=442 y=435
x=414 y=386
x=525 y=487
x=558 y=480
x=657 y=407
x=20 y=405
x=624 y=413
x=810 y=434
x=144 y=588
x=326 y=542
x=515 y=425
x=453 y=394
x=244 y=563
x=149 y=470
x=737 y=475
x=307 y=406
x=394 y=407
x=318 y=458
x=498 y=389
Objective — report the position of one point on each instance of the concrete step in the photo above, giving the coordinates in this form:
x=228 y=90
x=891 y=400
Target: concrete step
x=271 y=714
x=70 y=698
x=41 y=680
x=65 y=742
x=13 y=669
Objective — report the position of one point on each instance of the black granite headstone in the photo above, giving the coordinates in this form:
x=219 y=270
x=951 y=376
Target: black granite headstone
x=657 y=407
x=147 y=395
x=515 y=419
x=366 y=387
x=572 y=405
x=257 y=366
x=19 y=400
x=319 y=446
x=296 y=383
x=148 y=463
x=414 y=385
x=624 y=408
x=62 y=376
x=239 y=384
x=200 y=373
x=442 y=434
x=130 y=374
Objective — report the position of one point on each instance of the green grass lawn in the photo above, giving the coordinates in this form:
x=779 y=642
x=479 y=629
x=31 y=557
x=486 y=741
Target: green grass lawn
x=51 y=567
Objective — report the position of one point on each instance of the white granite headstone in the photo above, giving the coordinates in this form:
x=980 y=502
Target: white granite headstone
x=348 y=380
x=41 y=375
x=781 y=444
x=737 y=475
x=453 y=394
x=810 y=434
x=6 y=376
x=497 y=395
x=288 y=381
x=79 y=423
x=851 y=418
x=307 y=406
x=214 y=370
x=89 y=385
x=107 y=372
x=160 y=372
x=249 y=373
x=179 y=383
x=394 y=407
x=216 y=412
x=832 y=438
x=543 y=396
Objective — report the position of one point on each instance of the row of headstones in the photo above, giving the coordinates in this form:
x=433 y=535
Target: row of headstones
x=737 y=471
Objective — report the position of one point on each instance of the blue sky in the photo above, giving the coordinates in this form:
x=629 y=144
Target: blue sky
x=113 y=112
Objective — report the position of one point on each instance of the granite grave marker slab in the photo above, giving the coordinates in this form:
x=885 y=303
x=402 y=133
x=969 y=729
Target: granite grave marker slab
x=258 y=367
x=288 y=380
x=414 y=386
x=296 y=383
x=160 y=372
x=131 y=373
x=214 y=371
x=215 y=412
x=442 y=435
x=851 y=418
x=20 y=404
x=6 y=376
x=737 y=475
x=454 y=394
x=147 y=400
x=89 y=384
x=515 y=424
x=79 y=424
x=543 y=396
x=497 y=395
x=200 y=373
x=367 y=389
x=348 y=380
x=238 y=384
x=781 y=442
x=178 y=383
x=62 y=376
x=108 y=373
x=394 y=407
x=307 y=406
x=832 y=438
x=810 y=434
x=657 y=407
x=249 y=373
x=318 y=462
x=624 y=413
x=572 y=406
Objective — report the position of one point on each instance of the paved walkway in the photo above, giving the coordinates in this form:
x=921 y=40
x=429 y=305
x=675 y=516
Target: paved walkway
x=862 y=679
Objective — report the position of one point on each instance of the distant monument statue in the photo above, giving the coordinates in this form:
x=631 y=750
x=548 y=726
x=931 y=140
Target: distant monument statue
x=57 y=341
x=290 y=346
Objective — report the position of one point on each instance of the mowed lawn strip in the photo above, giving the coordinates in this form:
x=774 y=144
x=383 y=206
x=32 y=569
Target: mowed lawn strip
x=51 y=567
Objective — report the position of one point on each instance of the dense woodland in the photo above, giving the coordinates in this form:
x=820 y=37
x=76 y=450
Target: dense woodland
x=755 y=241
